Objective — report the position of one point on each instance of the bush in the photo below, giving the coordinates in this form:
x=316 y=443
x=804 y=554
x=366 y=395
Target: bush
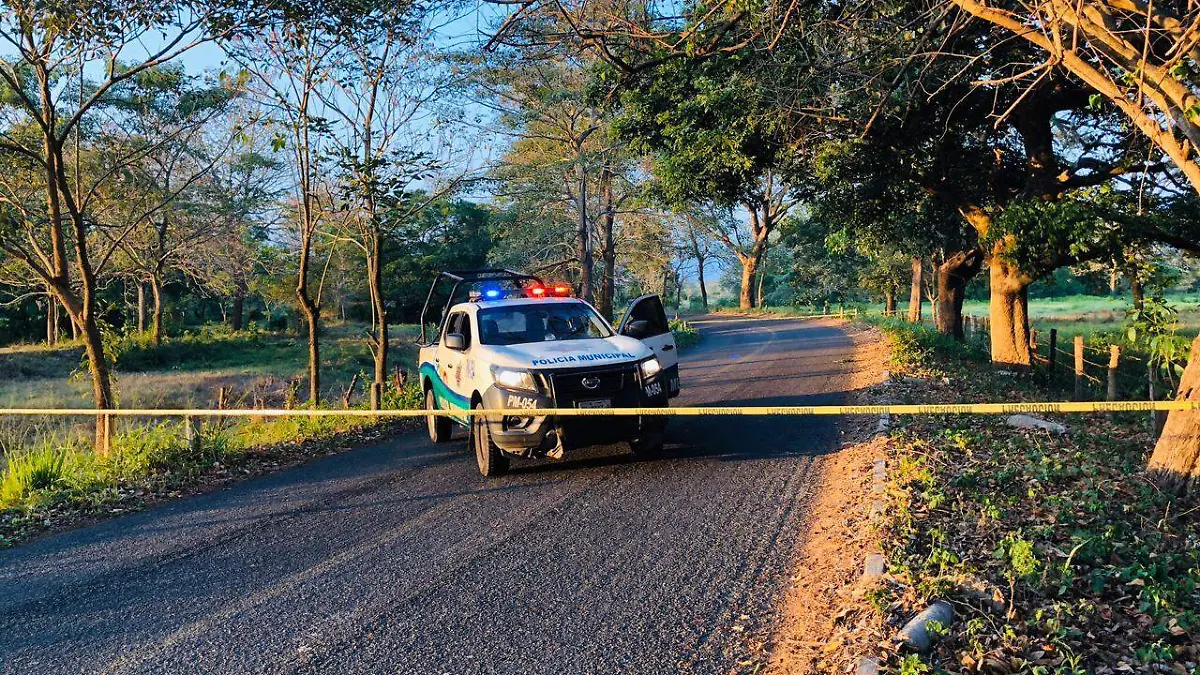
x=686 y=334
x=134 y=352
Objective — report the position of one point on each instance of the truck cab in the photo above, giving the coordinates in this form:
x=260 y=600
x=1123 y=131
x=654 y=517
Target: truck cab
x=514 y=343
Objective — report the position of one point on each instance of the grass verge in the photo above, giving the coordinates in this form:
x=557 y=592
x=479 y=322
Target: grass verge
x=59 y=483
x=1056 y=552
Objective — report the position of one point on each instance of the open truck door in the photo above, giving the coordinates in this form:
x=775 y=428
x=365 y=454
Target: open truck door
x=646 y=320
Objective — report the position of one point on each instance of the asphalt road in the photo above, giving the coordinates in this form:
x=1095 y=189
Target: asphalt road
x=400 y=558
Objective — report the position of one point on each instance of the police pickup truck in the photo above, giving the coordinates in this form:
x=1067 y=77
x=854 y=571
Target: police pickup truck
x=509 y=341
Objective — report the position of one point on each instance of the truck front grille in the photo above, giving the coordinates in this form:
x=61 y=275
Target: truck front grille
x=582 y=383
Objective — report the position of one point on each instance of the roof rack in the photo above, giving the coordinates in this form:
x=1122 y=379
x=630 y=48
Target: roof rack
x=469 y=277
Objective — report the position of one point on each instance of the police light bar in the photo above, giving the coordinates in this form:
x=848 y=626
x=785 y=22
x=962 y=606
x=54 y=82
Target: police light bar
x=562 y=290
x=487 y=293
x=537 y=291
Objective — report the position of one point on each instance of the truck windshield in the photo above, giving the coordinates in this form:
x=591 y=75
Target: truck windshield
x=520 y=324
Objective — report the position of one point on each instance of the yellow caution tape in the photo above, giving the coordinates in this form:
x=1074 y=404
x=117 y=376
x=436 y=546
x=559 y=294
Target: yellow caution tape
x=695 y=411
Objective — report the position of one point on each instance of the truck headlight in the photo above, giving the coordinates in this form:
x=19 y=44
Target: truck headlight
x=651 y=367
x=514 y=379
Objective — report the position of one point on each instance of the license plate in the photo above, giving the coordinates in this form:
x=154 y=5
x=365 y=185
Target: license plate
x=595 y=403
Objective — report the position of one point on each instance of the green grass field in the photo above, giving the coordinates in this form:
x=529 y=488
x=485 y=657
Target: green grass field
x=1093 y=315
x=187 y=371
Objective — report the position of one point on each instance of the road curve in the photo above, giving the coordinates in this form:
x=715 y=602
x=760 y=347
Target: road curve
x=400 y=558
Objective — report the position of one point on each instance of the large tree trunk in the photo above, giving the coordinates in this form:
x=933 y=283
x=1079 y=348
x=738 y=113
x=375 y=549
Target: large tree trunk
x=703 y=289
x=915 y=296
x=1008 y=310
x=156 y=295
x=749 y=273
x=952 y=277
x=889 y=302
x=312 y=318
x=239 y=307
x=1139 y=293
x=1175 y=463
x=311 y=310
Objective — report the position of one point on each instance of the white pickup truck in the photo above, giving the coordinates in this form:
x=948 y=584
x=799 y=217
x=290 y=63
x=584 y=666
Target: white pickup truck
x=515 y=343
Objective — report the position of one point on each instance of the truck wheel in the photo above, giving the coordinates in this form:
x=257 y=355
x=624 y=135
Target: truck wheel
x=439 y=427
x=491 y=461
x=650 y=445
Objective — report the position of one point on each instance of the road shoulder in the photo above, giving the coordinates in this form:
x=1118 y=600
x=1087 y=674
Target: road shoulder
x=816 y=634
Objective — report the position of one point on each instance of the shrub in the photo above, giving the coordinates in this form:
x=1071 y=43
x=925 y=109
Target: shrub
x=686 y=334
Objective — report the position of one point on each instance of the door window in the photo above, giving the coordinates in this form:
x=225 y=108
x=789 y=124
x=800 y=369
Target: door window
x=650 y=310
x=459 y=322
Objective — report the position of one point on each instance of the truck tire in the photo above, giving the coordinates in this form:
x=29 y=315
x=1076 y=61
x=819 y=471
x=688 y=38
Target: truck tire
x=491 y=461
x=650 y=445
x=440 y=428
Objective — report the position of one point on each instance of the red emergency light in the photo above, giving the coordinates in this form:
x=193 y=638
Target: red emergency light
x=537 y=292
x=562 y=290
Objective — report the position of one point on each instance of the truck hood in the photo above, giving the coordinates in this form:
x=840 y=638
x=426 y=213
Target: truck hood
x=570 y=353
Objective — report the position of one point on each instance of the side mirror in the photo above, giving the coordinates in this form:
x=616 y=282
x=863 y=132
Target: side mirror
x=637 y=329
x=456 y=341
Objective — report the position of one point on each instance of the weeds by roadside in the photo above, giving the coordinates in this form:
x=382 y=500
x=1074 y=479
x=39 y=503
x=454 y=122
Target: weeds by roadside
x=1055 y=551
x=58 y=482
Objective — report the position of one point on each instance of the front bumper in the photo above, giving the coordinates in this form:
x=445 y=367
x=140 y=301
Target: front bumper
x=621 y=386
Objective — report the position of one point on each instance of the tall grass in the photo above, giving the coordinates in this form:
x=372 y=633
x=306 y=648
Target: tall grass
x=27 y=473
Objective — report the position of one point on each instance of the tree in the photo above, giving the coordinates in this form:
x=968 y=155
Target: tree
x=384 y=83
x=696 y=243
x=242 y=193
x=152 y=213
x=707 y=127
x=47 y=100
x=560 y=149
x=1141 y=59
x=289 y=64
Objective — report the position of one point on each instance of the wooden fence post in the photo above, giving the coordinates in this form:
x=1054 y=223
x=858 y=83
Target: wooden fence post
x=1114 y=359
x=1079 y=372
x=191 y=431
x=1033 y=345
x=104 y=434
x=1050 y=365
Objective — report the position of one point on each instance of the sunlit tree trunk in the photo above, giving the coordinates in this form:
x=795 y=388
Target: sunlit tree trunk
x=915 y=295
x=379 y=311
x=608 y=279
x=1175 y=462
x=583 y=238
x=1008 y=310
